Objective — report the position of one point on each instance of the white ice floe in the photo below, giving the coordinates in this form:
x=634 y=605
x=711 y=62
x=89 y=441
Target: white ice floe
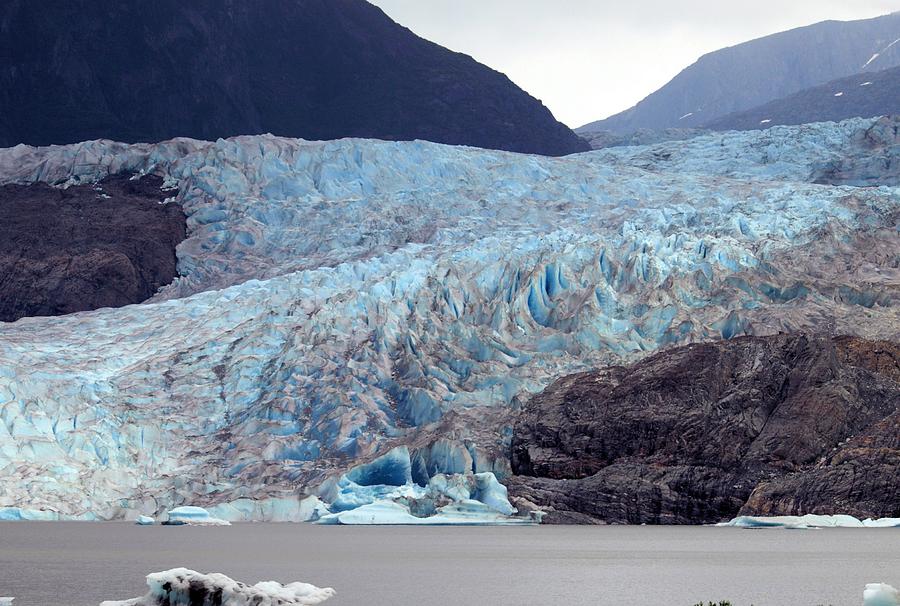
x=840 y=94
x=866 y=84
x=687 y=115
x=810 y=521
x=880 y=594
x=766 y=121
x=193 y=516
x=272 y=509
x=183 y=587
x=145 y=521
x=6 y=601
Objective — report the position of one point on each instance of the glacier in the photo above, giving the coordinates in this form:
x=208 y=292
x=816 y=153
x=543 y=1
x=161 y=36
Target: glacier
x=184 y=587
x=338 y=301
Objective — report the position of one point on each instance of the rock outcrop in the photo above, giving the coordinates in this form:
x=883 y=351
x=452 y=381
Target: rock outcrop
x=781 y=425
x=86 y=246
x=315 y=69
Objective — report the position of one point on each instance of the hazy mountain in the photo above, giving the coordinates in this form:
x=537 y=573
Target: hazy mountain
x=72 y=70
x=756 y=72
x=862 y=95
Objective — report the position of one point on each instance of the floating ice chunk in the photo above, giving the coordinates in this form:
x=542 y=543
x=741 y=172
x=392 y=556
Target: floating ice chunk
x=840 y=94
x=6 y=601
x=463 y=513
x=15 y=514
x=810 y=521
x=866 y=84
x=195 y=516
x=145 y=521
x=880 y=594
x=687 y=115
x=766 y=121
x=380 y=513
x=183 y=587
x=882 y=523
x=273 y=509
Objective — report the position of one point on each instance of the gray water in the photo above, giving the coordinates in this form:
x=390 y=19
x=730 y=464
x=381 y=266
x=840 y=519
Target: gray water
x=80 y=564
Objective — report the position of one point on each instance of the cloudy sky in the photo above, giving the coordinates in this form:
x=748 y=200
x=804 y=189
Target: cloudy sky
x=587 y=59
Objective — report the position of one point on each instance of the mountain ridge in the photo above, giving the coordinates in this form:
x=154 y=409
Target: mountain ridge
x=863 y=95
x=746 y=75
x=312 y=69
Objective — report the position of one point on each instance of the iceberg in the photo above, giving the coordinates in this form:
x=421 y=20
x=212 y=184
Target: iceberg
x=463 y=513
x=810 y=521
x=337 y=300
x=193 y=516
x=183 y=587
x=271 y=509
x=880 y=594
x=382 y=491
x=145 y=521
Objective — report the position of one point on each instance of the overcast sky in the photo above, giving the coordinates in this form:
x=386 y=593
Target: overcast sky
x=587 y=59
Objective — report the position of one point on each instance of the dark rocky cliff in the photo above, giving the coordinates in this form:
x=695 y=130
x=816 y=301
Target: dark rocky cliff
x=787 y=424
x=85 y=247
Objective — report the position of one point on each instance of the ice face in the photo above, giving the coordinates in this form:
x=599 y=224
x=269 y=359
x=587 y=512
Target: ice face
x=340 y=299
x=183 y=587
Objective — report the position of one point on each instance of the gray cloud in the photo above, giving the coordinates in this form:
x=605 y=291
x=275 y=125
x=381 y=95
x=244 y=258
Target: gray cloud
x=588 y=59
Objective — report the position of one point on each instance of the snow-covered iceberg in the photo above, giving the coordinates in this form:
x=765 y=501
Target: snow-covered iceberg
x=810 y=521
x=338 y=299
x=193 y=516
x=880 y=594
x=183 y=587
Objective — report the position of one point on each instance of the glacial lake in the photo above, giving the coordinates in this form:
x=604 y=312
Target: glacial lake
x=80 y=564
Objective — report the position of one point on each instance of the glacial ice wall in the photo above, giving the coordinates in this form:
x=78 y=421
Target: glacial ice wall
x=337 y=299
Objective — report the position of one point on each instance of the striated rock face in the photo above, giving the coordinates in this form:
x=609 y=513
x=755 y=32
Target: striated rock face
x=85 y=247
x=780 y=425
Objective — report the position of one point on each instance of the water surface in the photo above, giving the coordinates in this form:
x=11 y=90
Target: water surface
x=80 y=564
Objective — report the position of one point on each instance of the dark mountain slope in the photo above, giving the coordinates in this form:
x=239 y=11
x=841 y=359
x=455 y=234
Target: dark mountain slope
x=863 y=95
x=756 y=72
x=72 y=70
x=786 y=424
